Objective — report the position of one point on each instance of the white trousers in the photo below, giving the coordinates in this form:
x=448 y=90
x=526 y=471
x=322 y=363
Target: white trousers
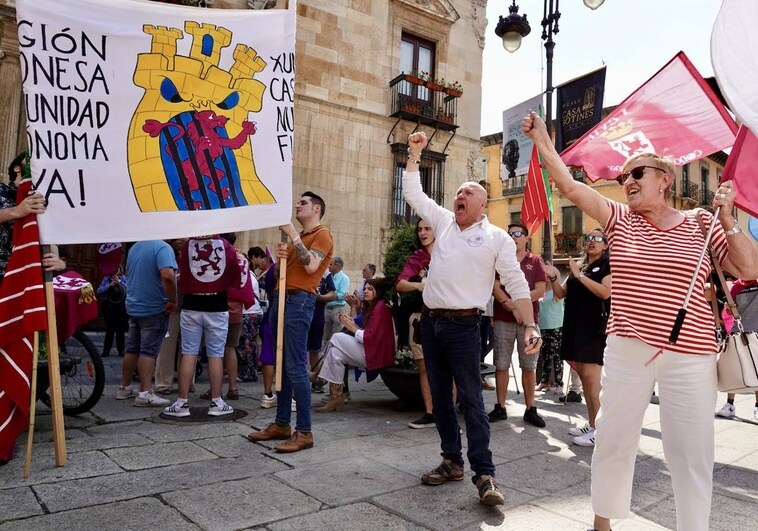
x=341 y=351
x=687 y=389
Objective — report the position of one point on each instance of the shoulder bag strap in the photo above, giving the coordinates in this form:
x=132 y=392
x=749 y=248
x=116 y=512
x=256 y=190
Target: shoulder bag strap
x=724 y=286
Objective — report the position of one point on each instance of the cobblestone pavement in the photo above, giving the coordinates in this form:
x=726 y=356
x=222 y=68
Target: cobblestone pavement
x=129 y=469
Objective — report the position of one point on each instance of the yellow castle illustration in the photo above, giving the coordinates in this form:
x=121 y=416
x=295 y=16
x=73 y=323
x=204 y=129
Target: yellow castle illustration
x=189 y=142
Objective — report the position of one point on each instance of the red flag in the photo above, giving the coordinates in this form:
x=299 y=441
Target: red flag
x=108 y=258
x=22 y=312
x=675 y=113
x=741 y=168
x=536 y=206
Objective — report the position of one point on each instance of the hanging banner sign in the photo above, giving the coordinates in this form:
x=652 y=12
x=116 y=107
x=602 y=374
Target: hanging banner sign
x=580 y=103
x=517 y=147
x=147 y=120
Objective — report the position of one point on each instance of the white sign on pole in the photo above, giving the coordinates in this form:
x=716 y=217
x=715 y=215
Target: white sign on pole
x=517 y=147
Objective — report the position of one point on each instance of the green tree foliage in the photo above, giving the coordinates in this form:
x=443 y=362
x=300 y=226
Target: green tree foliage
x=400 y=248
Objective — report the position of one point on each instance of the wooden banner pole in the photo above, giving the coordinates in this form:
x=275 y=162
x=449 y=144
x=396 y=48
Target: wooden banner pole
x=32 y=407
x=280 y=319
x=53 y=370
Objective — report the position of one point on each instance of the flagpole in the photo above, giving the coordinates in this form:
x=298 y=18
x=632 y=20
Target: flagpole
x=32 y=406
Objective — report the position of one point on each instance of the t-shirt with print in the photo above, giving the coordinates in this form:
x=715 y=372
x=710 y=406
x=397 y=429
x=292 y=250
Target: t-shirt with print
x=531 y=265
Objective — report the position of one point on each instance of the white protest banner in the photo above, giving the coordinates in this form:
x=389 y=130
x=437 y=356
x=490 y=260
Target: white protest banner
x=517 y=147
x=148 y=121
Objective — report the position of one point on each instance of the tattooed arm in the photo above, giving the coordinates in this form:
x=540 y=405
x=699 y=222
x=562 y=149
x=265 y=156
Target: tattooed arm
x=309 y=258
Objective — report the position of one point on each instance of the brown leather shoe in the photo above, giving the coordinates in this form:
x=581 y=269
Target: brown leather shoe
x=298 y=441
x=272 y=431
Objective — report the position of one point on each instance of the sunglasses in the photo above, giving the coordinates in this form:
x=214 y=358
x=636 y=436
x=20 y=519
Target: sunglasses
x=516 y=234
x=637 y=173
x=595 y=238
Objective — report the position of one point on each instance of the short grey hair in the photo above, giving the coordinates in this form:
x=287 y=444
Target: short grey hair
x=339 y=261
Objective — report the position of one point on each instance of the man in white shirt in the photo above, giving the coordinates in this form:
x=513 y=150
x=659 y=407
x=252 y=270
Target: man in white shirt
x=468 y=251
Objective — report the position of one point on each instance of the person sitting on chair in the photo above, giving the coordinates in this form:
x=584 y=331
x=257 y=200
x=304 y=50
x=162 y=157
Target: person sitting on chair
x=369 y=348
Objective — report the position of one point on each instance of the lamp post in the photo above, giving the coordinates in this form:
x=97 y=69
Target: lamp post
x=511 y=30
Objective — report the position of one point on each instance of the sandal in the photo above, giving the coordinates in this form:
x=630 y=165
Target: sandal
x=206 y=395
x=233 y=394
x=164 y=391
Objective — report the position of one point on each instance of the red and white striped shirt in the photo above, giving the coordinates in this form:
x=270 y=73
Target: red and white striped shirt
x=652 y=269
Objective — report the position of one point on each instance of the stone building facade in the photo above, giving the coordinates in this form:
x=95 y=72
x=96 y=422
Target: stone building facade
x=351 y=119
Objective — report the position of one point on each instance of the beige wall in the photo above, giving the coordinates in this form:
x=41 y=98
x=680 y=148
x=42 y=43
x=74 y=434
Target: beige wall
x=347 y=53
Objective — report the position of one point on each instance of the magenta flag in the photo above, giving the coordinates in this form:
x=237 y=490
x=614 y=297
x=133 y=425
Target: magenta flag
x=674 y=113
x=742 y=168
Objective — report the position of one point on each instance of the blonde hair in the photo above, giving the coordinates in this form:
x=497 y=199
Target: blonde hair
x=665 y=164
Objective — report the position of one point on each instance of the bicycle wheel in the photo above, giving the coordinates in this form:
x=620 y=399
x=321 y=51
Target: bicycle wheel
x=82 y=375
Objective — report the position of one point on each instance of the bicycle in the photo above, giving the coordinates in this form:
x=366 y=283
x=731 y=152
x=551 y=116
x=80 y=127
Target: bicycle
x=81 y=371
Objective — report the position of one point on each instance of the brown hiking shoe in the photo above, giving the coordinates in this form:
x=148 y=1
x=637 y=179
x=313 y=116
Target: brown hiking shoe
x=298 y=441
x=447 y=471
x=489 y=493
x=272 y=431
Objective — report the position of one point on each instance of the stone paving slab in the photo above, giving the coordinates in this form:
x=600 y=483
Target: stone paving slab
x=354 y=517
x=88 y=443
x=43 y=470
x=738 y=483
x=335 y=450
x=143 y=513
x=156 y=455
x=574 y=502
x=18 y=503
x=546 y=474
x=350 y=480
x=228 y=446
x=453 y=505
x=127 y=485
x=241 y=504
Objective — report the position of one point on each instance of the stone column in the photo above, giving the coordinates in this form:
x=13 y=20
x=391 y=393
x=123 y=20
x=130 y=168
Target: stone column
x=11 y=125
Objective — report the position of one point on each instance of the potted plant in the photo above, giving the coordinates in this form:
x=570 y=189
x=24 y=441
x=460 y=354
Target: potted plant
x=414 y=77
x=433 y=84
x=454 y=89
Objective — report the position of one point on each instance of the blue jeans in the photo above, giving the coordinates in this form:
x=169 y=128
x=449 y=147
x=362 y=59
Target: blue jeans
x=452 y=348
x=298 y=312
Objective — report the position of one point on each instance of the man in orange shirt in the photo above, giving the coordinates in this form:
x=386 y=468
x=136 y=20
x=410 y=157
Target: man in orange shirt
x=307 y=257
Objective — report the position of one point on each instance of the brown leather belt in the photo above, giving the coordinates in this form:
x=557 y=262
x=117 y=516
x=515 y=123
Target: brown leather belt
x=443 y=313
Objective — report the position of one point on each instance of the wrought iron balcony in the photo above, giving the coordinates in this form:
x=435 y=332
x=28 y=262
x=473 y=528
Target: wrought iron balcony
x=706 y=198
x=514 y=185
x=424 y=102
x=570 y=243
x=690 y=191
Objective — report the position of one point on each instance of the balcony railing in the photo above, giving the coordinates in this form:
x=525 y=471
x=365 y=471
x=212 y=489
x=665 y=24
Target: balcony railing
x=706 y=197
x=569 y=243
x=689 y=191
x=514 y=185
x=419 y=103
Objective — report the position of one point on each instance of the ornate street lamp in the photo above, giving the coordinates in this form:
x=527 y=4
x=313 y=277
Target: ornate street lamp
x=511 y=29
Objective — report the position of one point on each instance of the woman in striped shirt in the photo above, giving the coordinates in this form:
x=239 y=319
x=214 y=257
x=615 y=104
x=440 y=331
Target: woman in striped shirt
x=654 y=250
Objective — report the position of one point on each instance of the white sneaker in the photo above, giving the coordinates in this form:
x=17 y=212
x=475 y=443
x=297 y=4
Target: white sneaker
x=175 y=410
x=580 y=432
x=125 y=392
x=150 y=400
x=727 y=412
x=219 y=407
x=268 y=401
x=588 y=439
